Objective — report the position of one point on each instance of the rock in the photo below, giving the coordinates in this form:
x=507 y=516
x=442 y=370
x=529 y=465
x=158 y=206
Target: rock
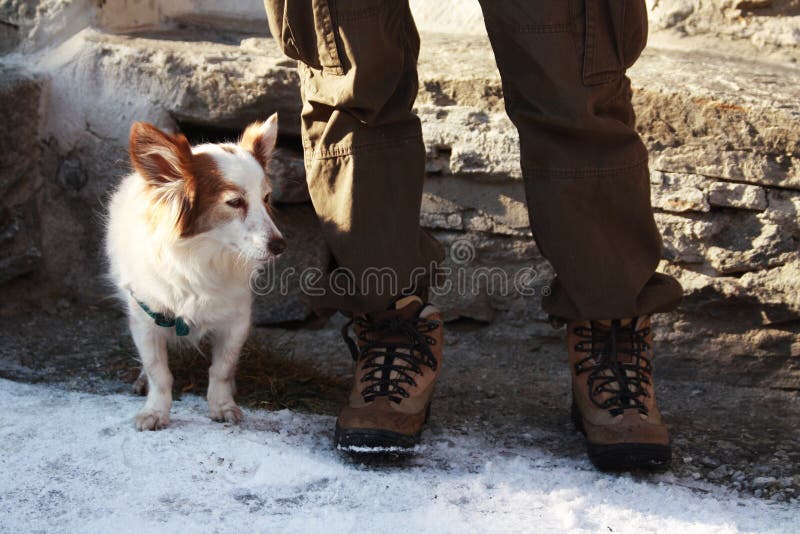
x=784 y=209
x=475 y=142
x=669 y=14
x=452 y=16
x=461 y=203
x=484 y=275
x=760 y=482
x=9 y=37
x=752 y=20
x=731 y=105
x=21 y=99
x=778 y=291
x=288 y=176
x=15 y=265
x=744 y=196
x=684 y=238
x=746 y=244
x=727 y=243
x=15 y=17
x=718 y=473
x=278 y=287
x=21 y=95
x=678 y=193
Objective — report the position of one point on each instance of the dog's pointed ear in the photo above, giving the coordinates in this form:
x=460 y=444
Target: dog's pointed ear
x=160 y=158
x=259 y=139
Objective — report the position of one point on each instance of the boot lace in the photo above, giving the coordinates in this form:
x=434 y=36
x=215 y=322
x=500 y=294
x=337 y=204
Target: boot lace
x=617 y=364
x=401 y=361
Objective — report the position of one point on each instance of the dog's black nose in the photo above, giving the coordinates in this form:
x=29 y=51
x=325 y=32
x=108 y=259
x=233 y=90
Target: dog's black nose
x=276 y=245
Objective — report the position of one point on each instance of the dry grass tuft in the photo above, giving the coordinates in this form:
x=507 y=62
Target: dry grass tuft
x=264 y=380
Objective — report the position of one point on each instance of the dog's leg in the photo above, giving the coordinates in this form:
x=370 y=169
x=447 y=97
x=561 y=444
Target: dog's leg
x=152 y=348
x=227 y=345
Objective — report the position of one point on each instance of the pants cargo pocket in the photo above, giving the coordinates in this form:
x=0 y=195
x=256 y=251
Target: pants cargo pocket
x=304 y=30
x=614 y=36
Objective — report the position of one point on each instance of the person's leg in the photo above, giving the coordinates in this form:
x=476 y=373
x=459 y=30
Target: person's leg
x=563 y=65
x=584 y=165
x=365 y=164
x=364 y=155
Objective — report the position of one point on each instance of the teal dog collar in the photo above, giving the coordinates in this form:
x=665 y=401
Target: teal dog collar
x=181 y=328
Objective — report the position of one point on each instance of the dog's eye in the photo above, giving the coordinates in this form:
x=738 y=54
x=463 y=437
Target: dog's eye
x=237 y=202
x=267 y=198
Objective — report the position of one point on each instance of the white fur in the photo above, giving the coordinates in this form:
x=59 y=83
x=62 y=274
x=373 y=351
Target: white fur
x=204 y=279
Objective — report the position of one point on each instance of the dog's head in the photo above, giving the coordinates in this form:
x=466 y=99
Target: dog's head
x=216 y=192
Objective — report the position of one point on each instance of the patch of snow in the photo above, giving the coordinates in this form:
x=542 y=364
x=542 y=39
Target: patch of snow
x=73 y=462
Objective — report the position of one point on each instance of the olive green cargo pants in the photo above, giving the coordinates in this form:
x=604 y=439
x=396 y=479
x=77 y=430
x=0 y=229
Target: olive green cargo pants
x=562 y=64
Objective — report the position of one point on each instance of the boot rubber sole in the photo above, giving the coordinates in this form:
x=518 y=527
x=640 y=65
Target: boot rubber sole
x=624 y=456
x=377 y=440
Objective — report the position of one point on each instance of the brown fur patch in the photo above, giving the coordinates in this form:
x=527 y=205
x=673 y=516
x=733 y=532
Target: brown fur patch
x=156 y=155
x=210 y=184
x=163 y=161
x=254 y=142
x=187 y=187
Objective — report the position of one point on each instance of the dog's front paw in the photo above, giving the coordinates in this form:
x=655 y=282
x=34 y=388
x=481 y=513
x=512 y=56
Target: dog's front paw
x=227 y=413
x=151 y=420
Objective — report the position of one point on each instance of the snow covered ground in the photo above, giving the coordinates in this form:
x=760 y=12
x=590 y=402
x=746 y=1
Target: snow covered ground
x=73 y=462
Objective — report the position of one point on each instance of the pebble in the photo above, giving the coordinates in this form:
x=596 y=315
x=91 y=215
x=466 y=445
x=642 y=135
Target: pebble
x=759 y=482
x=718 y=473
x=709 y=462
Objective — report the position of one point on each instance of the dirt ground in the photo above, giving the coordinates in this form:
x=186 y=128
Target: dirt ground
x=506 y=381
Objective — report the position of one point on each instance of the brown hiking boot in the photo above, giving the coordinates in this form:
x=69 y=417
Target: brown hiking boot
x=613 y=400
x=398 y=355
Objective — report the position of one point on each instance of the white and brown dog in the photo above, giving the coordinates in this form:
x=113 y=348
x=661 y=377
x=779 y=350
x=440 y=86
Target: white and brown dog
x=185 y=231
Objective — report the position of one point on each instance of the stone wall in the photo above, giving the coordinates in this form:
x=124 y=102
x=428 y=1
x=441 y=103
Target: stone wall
x=723 y=130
